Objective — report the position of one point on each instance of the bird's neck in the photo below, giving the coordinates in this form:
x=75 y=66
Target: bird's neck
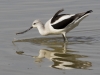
x=41 y=29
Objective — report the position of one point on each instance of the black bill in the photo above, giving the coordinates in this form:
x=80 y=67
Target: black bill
x=24 y=31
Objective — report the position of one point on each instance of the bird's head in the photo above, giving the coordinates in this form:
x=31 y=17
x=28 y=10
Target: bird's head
x=35 y=23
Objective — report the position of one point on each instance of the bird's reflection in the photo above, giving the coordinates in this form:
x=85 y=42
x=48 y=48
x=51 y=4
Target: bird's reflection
x=63 y=59
x=59 y=54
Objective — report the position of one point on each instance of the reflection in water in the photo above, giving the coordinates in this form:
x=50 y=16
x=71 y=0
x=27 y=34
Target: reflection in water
x=58 y=40
x=63 y=60
x=61 y=57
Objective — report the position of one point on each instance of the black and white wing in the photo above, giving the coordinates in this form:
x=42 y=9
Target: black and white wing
x=62 y=20
x=57 y=16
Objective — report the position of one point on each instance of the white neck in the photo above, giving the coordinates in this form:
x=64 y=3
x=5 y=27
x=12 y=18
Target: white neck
x=41 y=29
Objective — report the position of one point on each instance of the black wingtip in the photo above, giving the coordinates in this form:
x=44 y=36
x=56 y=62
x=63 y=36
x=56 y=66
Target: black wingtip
x=61 y=10
x=89 y=11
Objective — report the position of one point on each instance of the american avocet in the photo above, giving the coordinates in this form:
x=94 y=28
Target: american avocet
x=59 y=24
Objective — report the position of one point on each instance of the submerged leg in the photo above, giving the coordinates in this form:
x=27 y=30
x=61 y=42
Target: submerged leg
x=65 y=47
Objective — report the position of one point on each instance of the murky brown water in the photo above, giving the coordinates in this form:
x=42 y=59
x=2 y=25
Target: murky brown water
x=33 y=54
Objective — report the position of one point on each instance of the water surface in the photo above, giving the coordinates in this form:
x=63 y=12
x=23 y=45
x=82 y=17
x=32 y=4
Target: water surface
x=32 y=53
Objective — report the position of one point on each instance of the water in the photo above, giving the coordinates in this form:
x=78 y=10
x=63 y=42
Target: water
x=32 y=53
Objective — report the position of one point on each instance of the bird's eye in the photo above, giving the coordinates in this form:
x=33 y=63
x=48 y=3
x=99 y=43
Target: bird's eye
x=34 y=23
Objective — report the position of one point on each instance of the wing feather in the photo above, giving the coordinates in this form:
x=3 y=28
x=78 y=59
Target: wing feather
x=63 y=22
x=57 y=16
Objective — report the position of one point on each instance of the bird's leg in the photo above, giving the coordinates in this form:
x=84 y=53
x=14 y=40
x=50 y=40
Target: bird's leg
x=65 y=47
x=66 y=40
x=64 y=37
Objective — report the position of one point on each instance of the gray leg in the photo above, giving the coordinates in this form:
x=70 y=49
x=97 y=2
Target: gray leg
x=65 y=47
x=64 y=37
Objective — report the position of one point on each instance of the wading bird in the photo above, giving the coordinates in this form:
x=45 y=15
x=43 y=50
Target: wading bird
x=59 y=23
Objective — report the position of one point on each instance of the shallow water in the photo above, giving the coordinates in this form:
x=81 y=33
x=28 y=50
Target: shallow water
x=32 y=53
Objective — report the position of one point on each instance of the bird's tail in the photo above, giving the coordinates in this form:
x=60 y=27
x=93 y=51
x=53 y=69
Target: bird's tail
x=81 y=16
